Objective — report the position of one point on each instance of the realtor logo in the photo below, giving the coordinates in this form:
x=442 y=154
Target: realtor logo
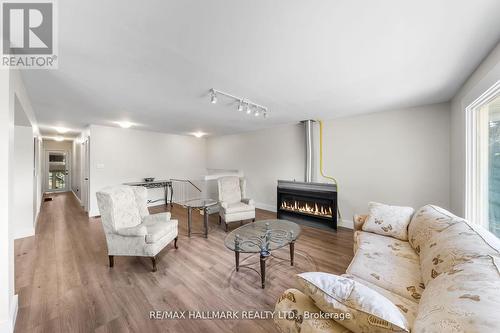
x=28 y=34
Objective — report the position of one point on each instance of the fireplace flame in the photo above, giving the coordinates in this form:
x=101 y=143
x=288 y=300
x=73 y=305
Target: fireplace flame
x=314 y=209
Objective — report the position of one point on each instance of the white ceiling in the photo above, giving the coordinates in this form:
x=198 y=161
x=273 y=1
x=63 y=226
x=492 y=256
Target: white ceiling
x=153 y=62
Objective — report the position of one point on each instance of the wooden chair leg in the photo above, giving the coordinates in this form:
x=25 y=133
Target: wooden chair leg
x=253 y=220
x=220 y=219
x=175 y=242
x=225 y=226
x=111 y=261
x=153 y=260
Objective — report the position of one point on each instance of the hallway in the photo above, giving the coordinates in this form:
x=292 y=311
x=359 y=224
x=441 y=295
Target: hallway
x=65 y=285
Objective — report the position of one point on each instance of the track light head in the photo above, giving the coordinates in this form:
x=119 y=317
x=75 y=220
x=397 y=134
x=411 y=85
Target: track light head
x=265 y=114
x=256 y=113
x=240 y=106
x=213 y=98
x=249 y=110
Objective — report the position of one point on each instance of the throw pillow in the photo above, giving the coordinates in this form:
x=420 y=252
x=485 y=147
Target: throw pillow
x=361 y=307
x=388 y=220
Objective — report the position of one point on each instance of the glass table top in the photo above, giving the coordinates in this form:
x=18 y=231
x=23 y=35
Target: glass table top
x=262 y=236
x=200 y=203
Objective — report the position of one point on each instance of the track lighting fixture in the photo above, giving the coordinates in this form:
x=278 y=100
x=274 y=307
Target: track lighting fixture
x=243 y=103
x=213 y=99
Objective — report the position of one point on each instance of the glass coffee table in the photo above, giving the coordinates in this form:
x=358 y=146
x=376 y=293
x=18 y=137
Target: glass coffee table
x=263 y=237
x=200 y=204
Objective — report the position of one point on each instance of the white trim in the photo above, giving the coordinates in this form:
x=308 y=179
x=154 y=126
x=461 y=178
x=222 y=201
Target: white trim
x=345 y=224
x=473 y=193
x=264 y=206
x=76 y=197
x=26 y=232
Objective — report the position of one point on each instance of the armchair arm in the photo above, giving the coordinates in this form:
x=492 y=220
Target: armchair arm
x=359 y=220
x=160 y=217
x=138 y=230
x=224 y=204
x=248 y=201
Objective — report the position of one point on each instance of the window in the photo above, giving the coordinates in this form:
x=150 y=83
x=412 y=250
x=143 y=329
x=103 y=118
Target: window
x=483 y=161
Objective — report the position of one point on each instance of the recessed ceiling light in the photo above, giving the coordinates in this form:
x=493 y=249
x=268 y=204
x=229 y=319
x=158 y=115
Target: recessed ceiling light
x=59 y=138
x=62 y=130
x=198 y=134
x=125 y=124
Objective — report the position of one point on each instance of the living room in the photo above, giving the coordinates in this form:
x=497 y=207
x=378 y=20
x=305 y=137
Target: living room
x=250 y=167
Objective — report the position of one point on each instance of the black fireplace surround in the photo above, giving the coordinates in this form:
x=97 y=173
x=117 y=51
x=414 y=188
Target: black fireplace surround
x=307 y=201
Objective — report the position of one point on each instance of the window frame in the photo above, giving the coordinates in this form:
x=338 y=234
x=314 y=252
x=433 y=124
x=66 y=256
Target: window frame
x=476 y=170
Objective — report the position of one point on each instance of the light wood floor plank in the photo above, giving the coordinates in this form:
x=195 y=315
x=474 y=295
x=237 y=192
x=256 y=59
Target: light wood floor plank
x=65 y=285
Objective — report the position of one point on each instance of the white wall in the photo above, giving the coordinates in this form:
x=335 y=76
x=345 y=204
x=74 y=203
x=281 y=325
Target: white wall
x=399 y=157
x=264 y=157
x=23 y=180
x=6 y=202
x=123 y=155
x=485 y=76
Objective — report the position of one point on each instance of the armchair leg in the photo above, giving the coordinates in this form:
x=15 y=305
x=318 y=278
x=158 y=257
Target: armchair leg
x=225 y=226
x=111 y=261
x=220 y=219
x=253 y=220
x=153 y=260
x=175 y=242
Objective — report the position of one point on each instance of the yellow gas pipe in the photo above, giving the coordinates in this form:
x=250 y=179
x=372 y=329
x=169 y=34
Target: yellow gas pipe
x=321 y=163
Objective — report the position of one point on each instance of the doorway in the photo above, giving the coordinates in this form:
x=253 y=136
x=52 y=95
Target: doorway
x=57 y=168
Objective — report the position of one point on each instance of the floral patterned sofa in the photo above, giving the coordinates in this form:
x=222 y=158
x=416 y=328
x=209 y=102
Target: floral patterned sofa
x=445 y=278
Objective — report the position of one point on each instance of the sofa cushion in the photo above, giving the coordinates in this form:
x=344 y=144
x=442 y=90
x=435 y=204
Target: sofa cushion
x=388 y=220
x=296 y=312
x=408 y=308
x=392 y=266
x=160 y=229
x=428 y=221
x=237 y=207
x=457 y=244
x=466 y=299
x=380 y=244
x=366 y=307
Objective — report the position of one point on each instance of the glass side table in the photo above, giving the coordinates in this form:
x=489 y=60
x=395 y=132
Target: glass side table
x=263 y=237
x=199 y=204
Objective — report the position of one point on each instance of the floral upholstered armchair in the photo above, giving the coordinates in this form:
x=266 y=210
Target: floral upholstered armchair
x=129 y=228
x=234 y=205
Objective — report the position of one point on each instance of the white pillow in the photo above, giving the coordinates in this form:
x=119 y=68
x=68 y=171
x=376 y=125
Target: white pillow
x=388 y=220
x=351 y=299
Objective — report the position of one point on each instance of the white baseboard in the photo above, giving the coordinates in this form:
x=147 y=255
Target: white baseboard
x=77 y=198
x=25 y=232
x=9 y=324
x=346 y=224
x=264 y=206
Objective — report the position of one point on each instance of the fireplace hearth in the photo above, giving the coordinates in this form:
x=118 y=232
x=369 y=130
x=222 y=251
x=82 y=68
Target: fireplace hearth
x=312 y=203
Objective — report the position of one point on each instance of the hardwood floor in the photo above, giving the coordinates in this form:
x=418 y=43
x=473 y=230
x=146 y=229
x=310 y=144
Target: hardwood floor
x=65 y=285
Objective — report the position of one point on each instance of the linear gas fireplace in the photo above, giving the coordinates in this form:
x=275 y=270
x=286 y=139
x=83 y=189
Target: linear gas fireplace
x=307 y=202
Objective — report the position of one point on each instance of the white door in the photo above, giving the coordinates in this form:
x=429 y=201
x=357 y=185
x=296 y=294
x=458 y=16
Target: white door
x=57 y=177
